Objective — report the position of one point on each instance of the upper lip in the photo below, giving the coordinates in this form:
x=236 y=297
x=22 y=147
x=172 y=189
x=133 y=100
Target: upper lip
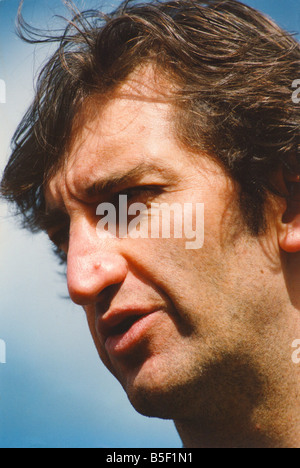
x=111 y=322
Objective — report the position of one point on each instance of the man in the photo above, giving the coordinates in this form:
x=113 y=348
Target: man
x=183 y=103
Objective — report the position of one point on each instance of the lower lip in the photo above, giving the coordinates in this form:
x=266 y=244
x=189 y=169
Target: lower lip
x=125 y=342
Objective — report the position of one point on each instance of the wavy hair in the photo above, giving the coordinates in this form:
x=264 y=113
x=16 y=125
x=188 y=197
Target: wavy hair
x=233 y=69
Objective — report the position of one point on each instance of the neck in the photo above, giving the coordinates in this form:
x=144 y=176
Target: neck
x=245 y=414
x=205 y=433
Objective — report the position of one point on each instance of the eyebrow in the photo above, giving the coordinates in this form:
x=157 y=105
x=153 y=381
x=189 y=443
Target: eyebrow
x=115 y=181
x=53 y=217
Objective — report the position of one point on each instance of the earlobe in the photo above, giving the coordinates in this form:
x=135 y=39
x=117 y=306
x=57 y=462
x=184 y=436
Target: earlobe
x=289 y=230
x=289 y=234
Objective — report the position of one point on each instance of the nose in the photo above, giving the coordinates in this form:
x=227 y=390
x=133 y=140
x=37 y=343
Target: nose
x=94 y=264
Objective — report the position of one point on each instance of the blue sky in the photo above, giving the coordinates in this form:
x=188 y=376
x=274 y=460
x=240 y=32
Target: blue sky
x=54 y=392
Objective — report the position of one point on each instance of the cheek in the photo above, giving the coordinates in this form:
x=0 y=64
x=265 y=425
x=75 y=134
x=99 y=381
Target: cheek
x=183 y=275
x=198 y=285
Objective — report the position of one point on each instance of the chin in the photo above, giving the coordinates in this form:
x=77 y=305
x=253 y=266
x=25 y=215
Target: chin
x=159 y=396
x=153 y=404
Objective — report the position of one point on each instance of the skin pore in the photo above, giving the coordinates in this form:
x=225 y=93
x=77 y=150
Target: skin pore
x=211 y=348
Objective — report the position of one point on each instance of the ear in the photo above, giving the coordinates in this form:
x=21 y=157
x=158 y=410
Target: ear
x=289 y=229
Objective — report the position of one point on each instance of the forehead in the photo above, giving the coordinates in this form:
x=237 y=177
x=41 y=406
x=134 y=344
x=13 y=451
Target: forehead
x=133 y=126
x=124 y=130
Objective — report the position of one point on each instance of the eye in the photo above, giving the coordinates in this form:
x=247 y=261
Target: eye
x=60 y=239
x=142 y=193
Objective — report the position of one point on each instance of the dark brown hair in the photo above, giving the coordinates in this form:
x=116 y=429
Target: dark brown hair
x=233 y=69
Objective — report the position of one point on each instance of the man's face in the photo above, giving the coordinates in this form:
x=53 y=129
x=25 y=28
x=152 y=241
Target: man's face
x=162 y=316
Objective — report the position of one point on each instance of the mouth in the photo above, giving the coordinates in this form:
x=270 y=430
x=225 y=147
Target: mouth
x=120 y=331
x=124 y=326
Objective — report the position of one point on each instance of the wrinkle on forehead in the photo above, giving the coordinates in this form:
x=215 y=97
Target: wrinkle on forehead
x=145 y=84
x=91 y=125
